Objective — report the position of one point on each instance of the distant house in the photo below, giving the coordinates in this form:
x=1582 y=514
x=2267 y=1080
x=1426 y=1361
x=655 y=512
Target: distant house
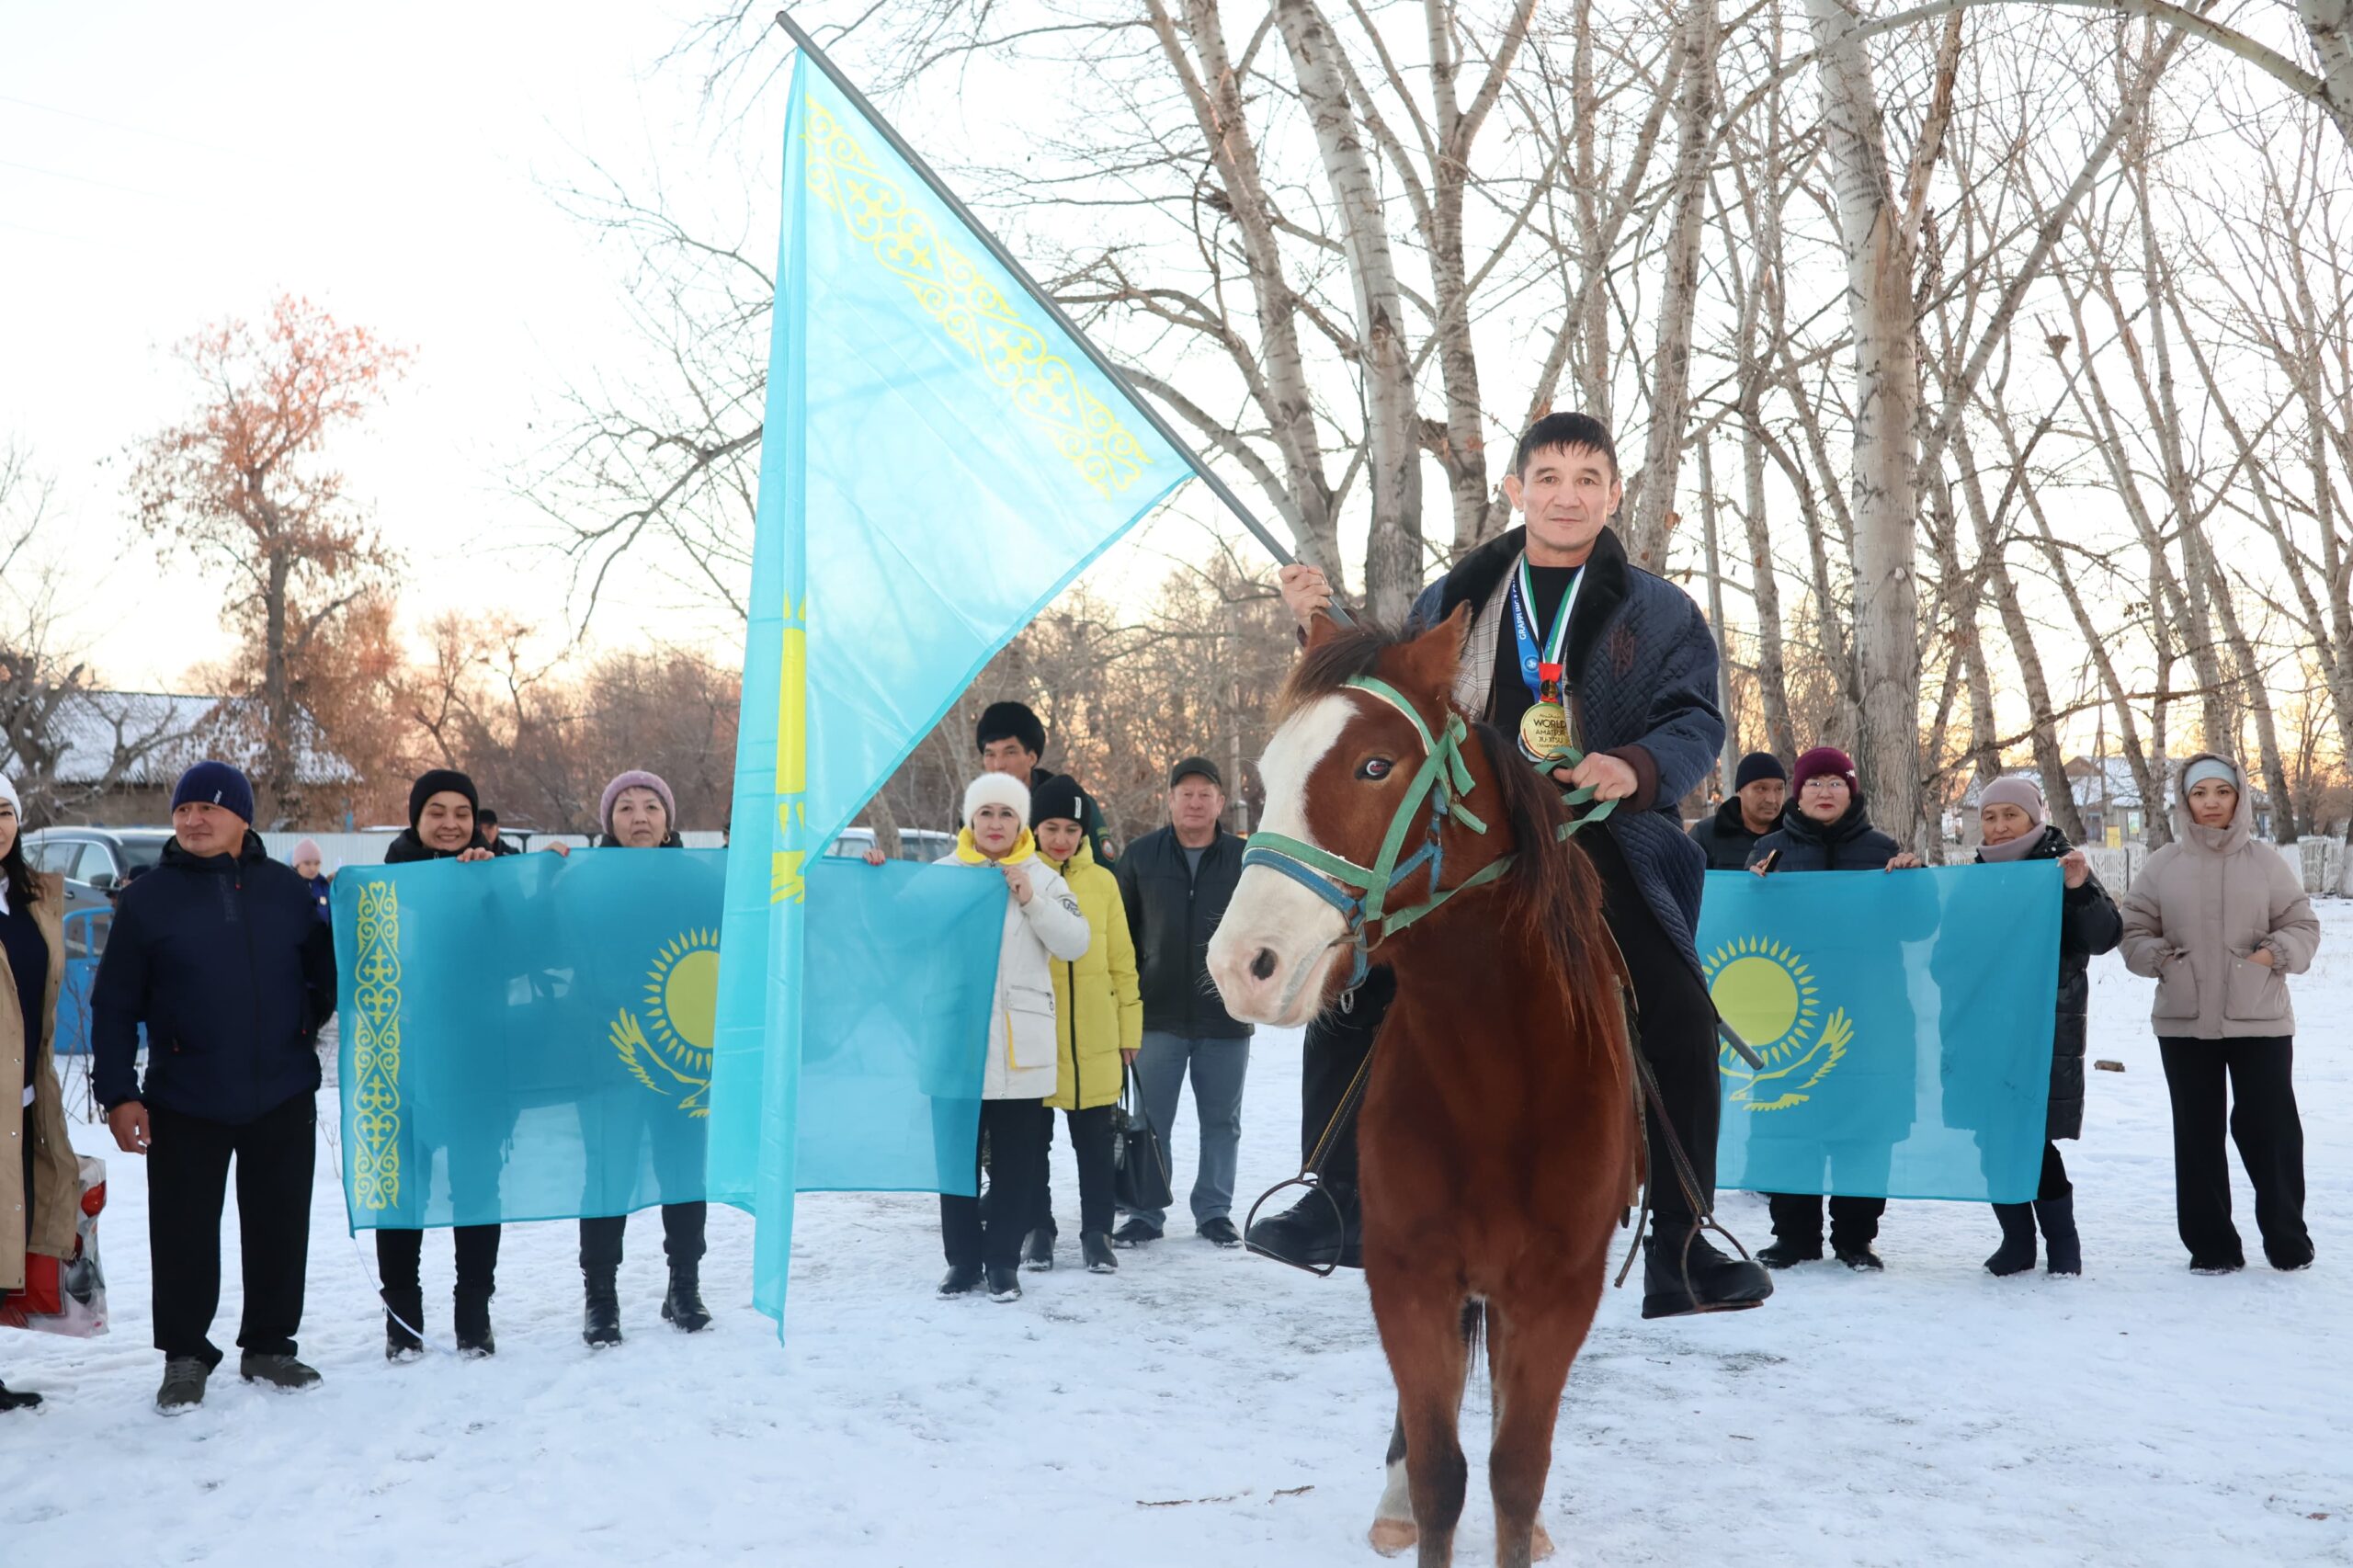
x=110 y=758
x=2108 y=799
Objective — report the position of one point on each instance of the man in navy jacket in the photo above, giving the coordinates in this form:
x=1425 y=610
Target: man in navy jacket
x=219 y=953
x=1637 y=671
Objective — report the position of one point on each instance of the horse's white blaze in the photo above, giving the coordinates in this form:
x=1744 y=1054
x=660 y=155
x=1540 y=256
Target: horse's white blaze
x=1269 y=912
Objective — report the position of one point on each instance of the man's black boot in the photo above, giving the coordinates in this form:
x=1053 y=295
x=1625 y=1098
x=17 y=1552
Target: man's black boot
x=1676 y=1283
x=1324 y=1228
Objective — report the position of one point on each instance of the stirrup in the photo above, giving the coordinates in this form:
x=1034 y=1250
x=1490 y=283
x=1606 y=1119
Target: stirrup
x=1314 y=1184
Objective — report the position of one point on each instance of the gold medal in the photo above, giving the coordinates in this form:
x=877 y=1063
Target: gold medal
x=1544 y=730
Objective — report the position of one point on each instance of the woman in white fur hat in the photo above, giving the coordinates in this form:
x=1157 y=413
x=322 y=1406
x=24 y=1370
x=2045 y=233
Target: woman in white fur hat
x=1041 y=918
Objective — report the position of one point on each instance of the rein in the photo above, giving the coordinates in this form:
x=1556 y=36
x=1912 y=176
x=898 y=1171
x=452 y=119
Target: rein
x=1361 y=894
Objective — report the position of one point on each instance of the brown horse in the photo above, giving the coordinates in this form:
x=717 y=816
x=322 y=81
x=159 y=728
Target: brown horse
x=1498 y=1135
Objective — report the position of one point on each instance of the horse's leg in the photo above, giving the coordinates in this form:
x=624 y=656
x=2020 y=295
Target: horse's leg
x=1392 y=1521
x=1540 y=1540
x=1534 y=1343
x=1422 y=1331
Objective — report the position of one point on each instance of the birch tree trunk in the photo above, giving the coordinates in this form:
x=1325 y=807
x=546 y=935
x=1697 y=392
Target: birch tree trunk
x=1887 y=406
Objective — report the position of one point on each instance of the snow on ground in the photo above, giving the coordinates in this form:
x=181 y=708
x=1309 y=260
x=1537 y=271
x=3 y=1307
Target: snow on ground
x=1205 y=1407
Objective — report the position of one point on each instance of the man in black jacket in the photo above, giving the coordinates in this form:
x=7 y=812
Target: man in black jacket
x=1176 y=882
x=1759 y=788
x=220 y=954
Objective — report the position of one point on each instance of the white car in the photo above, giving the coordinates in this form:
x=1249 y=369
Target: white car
x=920 y=844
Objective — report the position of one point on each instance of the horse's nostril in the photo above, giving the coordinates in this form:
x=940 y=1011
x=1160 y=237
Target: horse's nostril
x=1263 y=966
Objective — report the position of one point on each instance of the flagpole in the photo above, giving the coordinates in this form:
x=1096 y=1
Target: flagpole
x=1005 y=259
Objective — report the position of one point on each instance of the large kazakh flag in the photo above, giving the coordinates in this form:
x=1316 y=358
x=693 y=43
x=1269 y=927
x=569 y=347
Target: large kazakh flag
x=939 y=458
x=530 y=1038
x=1906 y=1020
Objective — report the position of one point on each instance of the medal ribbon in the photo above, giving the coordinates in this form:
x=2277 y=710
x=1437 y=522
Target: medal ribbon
x=1533 y=661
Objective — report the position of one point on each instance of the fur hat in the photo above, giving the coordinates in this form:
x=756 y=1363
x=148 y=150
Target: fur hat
x=996 y=790
x=1010 y=721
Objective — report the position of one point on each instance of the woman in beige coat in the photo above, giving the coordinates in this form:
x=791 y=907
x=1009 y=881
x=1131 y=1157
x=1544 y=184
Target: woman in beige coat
x=2220 y=920
x=41 y=1181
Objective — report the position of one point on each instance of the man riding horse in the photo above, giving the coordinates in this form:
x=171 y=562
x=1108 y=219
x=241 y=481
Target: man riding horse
x=1562 y=623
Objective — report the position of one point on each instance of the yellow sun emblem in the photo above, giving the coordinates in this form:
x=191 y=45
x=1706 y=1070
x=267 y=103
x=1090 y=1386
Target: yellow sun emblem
x=1765 y=992
x=668 y=1050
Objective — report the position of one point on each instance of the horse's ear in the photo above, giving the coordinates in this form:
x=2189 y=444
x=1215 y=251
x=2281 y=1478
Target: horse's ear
x=1321 y=629
x=1428 y=664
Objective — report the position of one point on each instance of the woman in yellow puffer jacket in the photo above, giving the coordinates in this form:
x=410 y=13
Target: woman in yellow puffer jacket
x=1099 y=1012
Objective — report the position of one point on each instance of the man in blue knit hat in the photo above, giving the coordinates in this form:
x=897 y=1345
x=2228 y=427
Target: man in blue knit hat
x=219 y=953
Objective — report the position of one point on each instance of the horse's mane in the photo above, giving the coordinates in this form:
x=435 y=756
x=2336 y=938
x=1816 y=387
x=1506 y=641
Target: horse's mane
x=1551 y=884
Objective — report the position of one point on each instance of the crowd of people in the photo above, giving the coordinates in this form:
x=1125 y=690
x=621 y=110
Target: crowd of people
x=226 y=959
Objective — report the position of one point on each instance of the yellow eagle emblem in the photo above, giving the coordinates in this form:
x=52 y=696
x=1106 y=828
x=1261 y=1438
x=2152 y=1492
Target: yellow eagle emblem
x=1766 y=991
x=668 y=1048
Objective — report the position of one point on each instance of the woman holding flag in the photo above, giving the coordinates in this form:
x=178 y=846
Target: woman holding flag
x=2017 y=828
x=1042 y=923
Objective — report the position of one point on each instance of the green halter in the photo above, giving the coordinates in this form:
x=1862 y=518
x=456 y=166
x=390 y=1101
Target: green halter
x=1361 y=894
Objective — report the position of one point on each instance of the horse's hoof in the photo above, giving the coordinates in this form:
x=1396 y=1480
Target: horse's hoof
x=1539 y=1544
x=1393 y=1538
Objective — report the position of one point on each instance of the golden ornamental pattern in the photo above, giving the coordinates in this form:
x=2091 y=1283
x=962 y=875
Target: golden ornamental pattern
x=376 y=1046
x=973 y=310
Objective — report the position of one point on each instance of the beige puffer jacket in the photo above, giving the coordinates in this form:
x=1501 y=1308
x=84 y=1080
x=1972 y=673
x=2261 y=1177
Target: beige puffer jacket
x=48 y=1225
x=2200 y=908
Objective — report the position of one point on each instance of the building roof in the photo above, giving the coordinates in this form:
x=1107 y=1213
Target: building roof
x=164 y=733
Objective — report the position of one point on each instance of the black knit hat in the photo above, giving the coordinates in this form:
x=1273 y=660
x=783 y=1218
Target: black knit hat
x=1059 y=796
x=1757 y=764
x=433 y=782
x=1013 y=721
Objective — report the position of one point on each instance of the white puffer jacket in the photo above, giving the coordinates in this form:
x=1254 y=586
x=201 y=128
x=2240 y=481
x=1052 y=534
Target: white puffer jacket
x=1023 y=1040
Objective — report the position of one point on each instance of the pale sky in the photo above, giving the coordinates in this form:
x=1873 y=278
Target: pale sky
x=164 y=166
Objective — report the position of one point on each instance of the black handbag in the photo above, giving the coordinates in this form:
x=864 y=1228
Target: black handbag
x=1138 y=1157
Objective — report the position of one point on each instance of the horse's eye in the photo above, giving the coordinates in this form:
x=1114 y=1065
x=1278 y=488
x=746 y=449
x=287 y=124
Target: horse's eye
x=1375 y=768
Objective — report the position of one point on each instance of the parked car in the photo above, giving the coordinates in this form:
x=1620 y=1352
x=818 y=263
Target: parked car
x=915 y=843
x=97 y=856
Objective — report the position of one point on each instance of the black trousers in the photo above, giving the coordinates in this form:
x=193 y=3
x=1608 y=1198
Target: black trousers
x=2259 y=1111
x=400 y=1258
x=1676 y=1035
x=1014 y=1134
x=1090 y=1141
x=188 y=1181
x=682 y=1238
x=1797 y=1217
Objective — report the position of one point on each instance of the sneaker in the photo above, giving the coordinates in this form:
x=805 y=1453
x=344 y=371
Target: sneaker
x=1780 y=1254
x=1038 y=1250
x=1221 y=1230
x=278 y=1371
x=1135 y=1234
x=183 y=1388
x=1861 y=1259
x=961 y=1279
x=1324 y=1230
x=1715 y=1283
x=1005 y=1284
x=1096 y=1247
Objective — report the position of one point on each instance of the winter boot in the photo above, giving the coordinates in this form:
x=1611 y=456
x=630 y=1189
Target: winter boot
x=1788 y=1252
x=1096 y=1248
x=2015 y=1254
x=21 y=1399
x=1676 y=1282
x=682 y=1304
x=1858 y=1256
x=183 y=1388
x=1220 y=1232
x=2064 y=1248
x=961 y=1279
x=472 y=1324
x=1324 y=1230
x=404 y=1318
x=1136 y=1233
x=2290 y=1256
x=1038 y=1250
x=278 y=1371
x=600 y=1325
x=1005 y=1283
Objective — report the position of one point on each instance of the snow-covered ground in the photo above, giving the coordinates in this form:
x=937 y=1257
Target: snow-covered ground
x=1207 y=1408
